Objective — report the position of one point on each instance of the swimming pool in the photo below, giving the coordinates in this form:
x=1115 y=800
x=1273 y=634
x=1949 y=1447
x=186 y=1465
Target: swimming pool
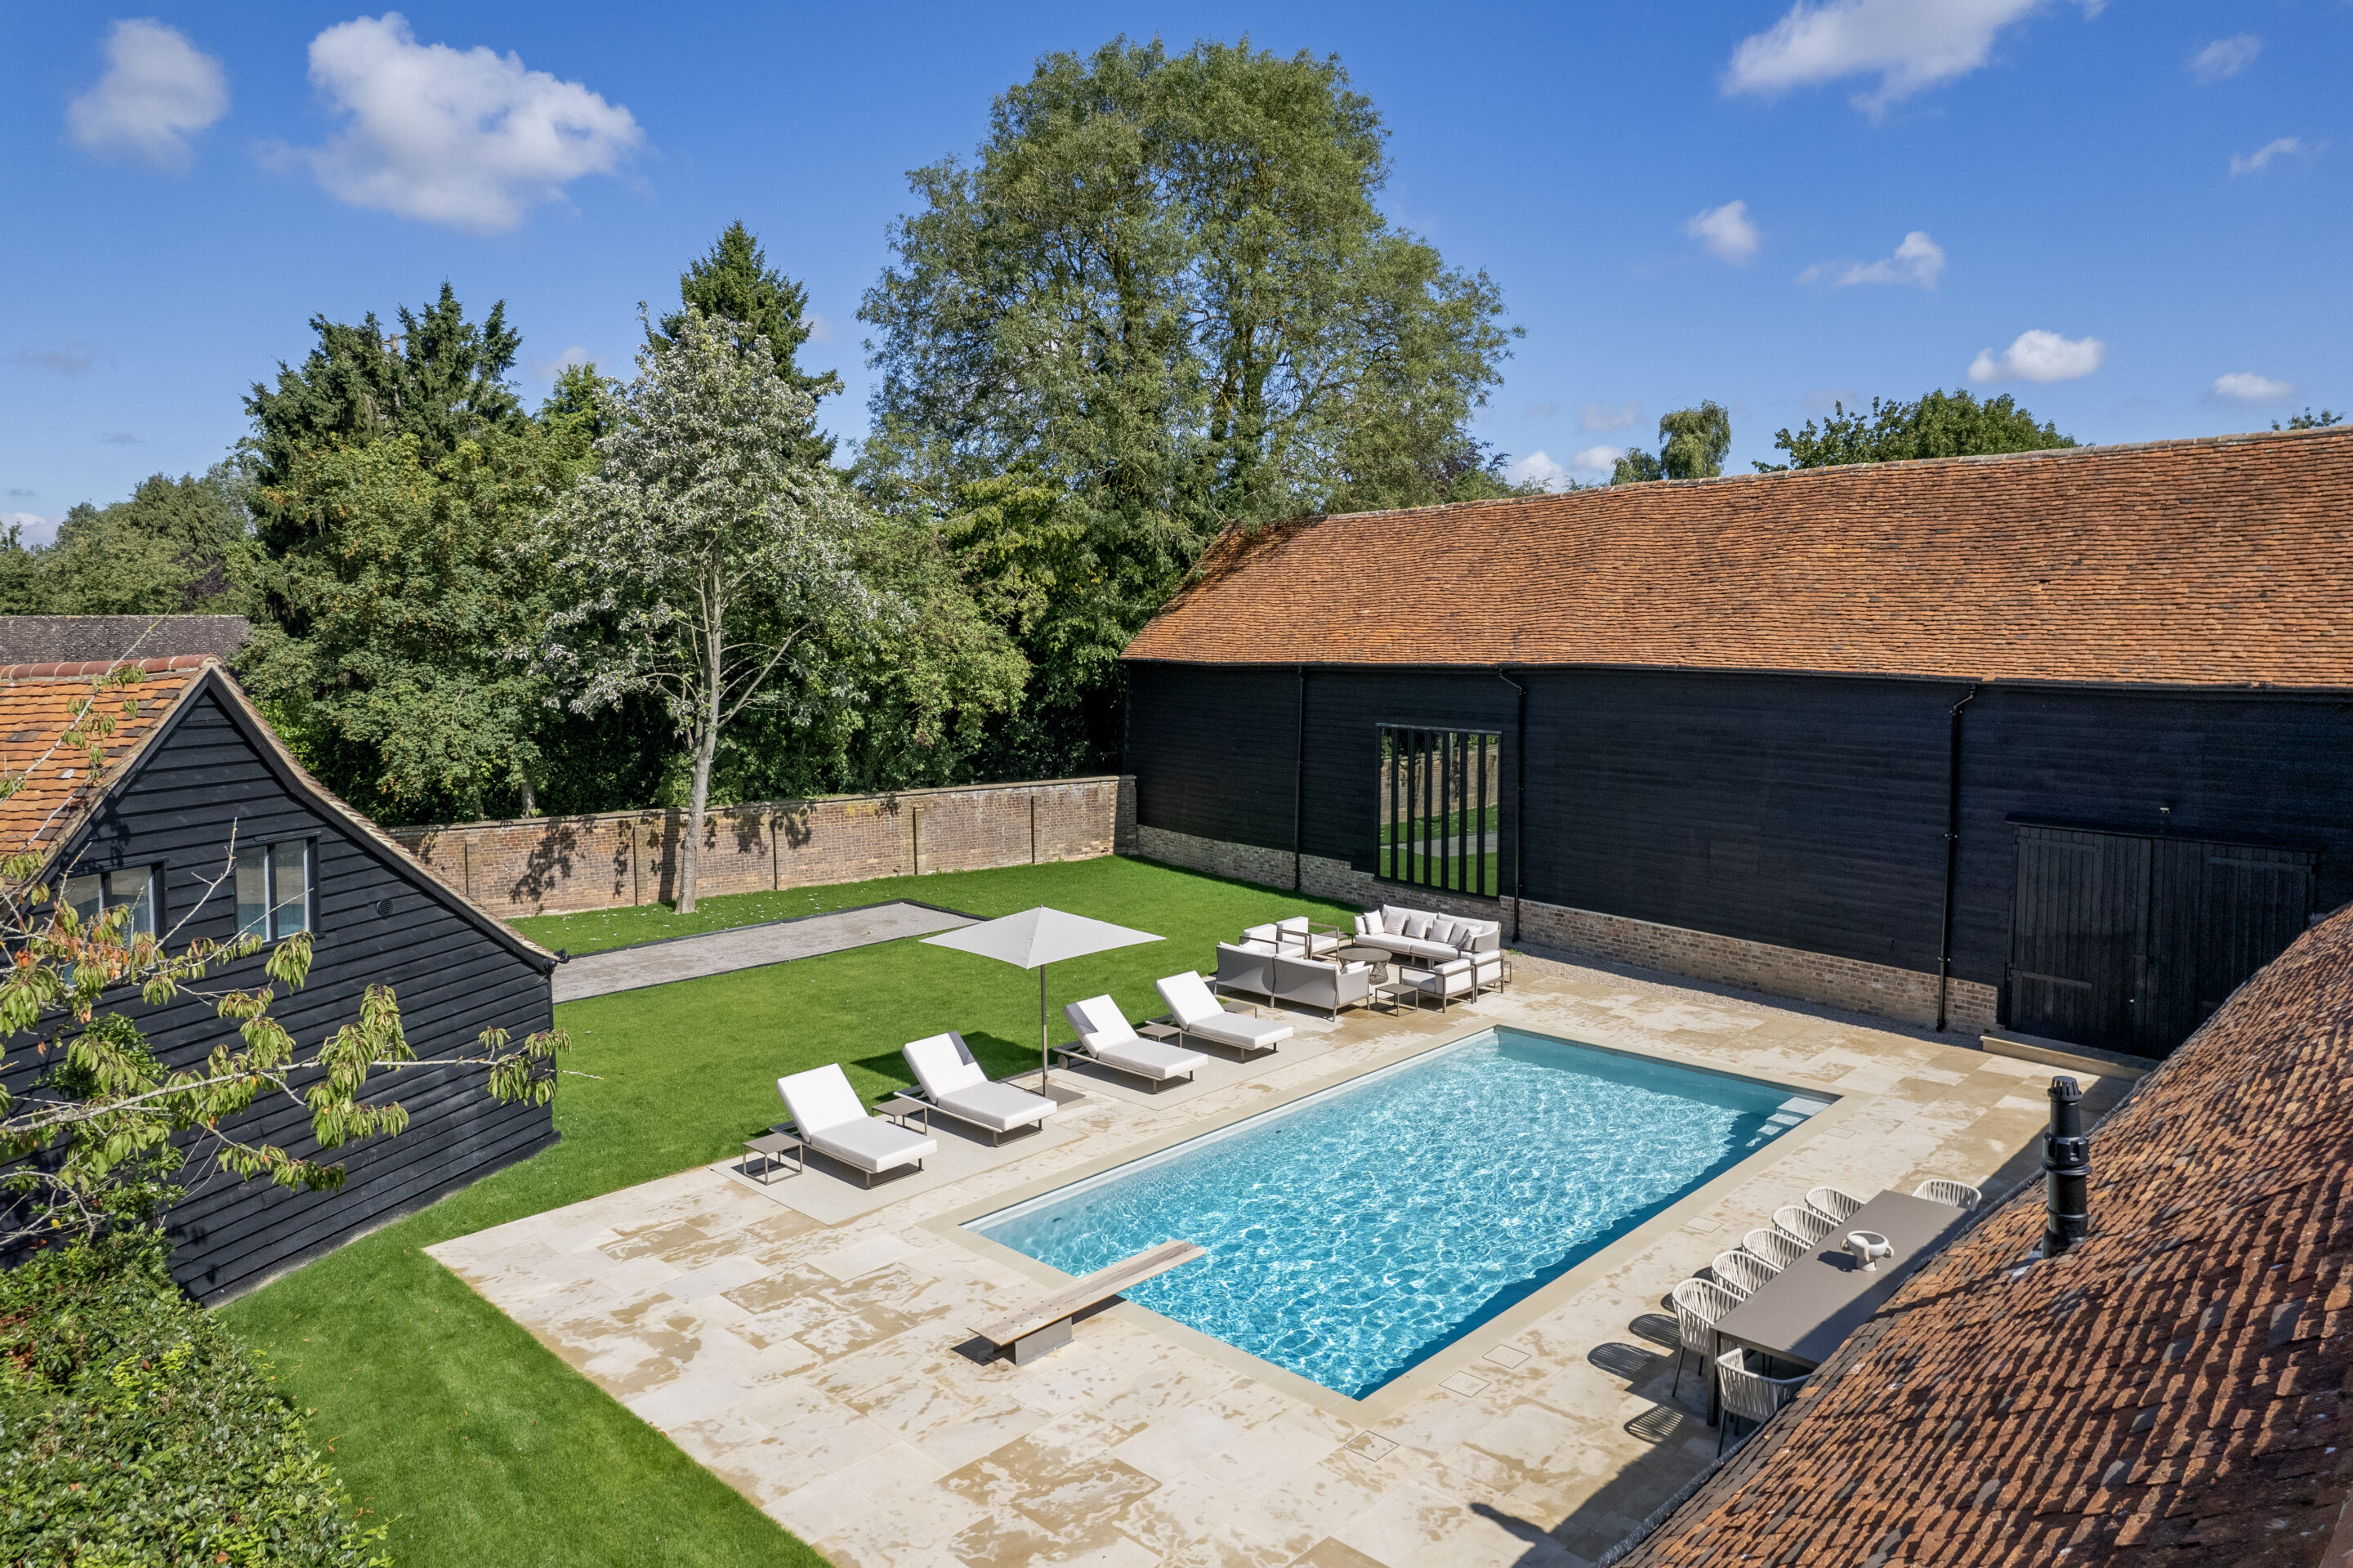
x=1354 y=1234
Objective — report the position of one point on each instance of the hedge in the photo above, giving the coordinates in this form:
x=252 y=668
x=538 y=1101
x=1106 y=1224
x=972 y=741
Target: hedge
x=133 y=1431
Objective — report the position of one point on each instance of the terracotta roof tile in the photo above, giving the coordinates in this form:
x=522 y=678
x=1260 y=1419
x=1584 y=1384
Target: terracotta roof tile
x=2212 y=562
x=39 y=703
x=2171 y=1391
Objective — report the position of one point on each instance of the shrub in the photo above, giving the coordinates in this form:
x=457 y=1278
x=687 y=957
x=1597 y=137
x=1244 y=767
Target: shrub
x=134 y=1431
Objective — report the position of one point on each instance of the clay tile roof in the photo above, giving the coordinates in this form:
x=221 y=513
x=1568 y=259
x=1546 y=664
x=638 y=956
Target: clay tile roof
x=2212 y=562
x=39 y=703
x=2171 y=1391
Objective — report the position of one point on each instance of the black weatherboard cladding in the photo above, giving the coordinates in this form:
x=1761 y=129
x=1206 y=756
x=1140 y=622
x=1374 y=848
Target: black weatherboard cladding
x=1803 y=811
x=203 y=780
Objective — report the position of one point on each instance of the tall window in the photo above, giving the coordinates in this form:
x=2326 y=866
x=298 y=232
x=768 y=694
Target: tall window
x=273 y=890
x=1442 y=815
x=92 y=895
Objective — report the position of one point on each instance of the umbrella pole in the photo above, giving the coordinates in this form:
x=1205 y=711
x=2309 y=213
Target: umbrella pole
x=1045 y=1075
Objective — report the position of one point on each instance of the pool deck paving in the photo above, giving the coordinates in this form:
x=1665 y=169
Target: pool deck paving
x=826 y=1369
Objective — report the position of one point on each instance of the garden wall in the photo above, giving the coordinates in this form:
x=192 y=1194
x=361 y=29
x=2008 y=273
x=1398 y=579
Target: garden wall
x=561 y=865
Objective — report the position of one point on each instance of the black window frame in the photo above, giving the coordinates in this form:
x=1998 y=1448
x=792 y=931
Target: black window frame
x=1442 y=765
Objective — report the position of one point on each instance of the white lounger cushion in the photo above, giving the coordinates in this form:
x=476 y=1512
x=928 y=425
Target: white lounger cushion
x=827 y=1116
x=1108 y=1038
x=953 y=1081
x=1199 y=1013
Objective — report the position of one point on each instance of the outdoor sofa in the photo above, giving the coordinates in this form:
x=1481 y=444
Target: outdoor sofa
x=1299 y=935
x=1322 y=983
x=1107 y=1039
x=828 y=1118
x=1427 y=941
x=954 y=1085
x=1202 y=1016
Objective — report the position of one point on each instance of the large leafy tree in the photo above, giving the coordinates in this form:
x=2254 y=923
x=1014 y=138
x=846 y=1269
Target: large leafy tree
x=399 y=481
x=181 y=547
x=701 y=563
x=1165 y=291
x=734 y=284
x=1940 y=424
x=1692 y=444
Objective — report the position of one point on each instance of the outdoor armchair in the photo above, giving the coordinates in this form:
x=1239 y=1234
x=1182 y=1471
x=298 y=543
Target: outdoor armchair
x=1778 y=1248
x=1105 y=1036
x=1802 y=1225
x=1203 y=1017
x=1319 y=983
x=1943 y=1190
x=955 y=1086
x=828 y=1118
x=1298 y=935
x=1832 y=1204
x=1247 y=967
x=1453 y=980
x=1744 y=1271
x=1698 y=1303
x=1748 y=1395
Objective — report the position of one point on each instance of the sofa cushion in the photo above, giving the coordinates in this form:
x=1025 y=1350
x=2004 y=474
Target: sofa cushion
x=1297 y=923
x=1369 y=924
x=1267 y=934
x=1442 y=928
x=1417 y=926
x=1421 y=947
x=1393 y=919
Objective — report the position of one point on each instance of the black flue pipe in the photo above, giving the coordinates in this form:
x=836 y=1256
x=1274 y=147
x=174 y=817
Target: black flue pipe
x=2067 y=1170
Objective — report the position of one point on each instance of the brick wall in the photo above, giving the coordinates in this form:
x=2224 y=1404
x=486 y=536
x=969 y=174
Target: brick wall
x=561 y=865
x=1909 y=995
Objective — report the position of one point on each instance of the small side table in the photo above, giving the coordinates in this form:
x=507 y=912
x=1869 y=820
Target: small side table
x=902 y=1108
x=1393 y=993
x=771 y=1148
x=1160 y=1030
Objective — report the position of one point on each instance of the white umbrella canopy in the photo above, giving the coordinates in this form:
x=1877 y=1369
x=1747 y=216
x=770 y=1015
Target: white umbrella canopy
x=1034 y=938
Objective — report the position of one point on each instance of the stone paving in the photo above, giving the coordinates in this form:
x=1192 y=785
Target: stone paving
x=825 y=1370
x=746 y=948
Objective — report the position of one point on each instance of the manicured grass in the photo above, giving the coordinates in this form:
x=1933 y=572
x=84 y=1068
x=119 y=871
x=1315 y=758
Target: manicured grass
x=480 y=1444
x=600 y=930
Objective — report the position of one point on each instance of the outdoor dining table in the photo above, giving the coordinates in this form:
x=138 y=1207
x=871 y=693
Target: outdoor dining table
x=1804 y=1312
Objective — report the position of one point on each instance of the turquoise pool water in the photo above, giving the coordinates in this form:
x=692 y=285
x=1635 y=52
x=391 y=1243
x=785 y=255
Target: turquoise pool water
x=1353 y=1233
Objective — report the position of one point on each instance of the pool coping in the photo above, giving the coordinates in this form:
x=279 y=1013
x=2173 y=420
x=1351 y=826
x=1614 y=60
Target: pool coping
x=1468 y=1349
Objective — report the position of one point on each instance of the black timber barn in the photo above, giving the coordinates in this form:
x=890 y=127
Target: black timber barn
x=2057 y=742
x=195 y=771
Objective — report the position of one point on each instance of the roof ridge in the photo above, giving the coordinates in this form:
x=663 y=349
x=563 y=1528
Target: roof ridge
x=88 y=667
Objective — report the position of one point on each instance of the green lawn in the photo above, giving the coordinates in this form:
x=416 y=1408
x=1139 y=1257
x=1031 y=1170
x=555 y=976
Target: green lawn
x=602 y=928
x=484 y=1448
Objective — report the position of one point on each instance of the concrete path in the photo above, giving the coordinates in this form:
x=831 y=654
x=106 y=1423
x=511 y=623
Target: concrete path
x=746 y=948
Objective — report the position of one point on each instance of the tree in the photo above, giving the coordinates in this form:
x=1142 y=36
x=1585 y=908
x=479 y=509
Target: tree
x=2308 y=420
x=1164 y=288
x=181 y=547
x=701 y=562
x=734 y=283
x=96 y=1140
x=1692 y=445
x=401 y=482
x=1941 y=424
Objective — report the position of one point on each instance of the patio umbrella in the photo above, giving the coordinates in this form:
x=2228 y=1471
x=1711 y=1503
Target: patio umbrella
x=1034 y=938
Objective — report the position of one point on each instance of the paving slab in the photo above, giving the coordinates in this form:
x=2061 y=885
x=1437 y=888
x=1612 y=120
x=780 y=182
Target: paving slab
x=747 y=947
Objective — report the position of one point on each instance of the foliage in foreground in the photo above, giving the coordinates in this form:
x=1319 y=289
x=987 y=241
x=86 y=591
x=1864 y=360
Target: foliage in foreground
x=135 y=1430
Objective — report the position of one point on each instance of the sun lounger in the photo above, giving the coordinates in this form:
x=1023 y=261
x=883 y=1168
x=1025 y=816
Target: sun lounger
x=1106 y=1038
x=828 y=1116
x=1203 y=1017
x=955 y=1086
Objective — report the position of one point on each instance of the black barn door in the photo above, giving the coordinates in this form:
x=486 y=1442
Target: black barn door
x=2129 y=943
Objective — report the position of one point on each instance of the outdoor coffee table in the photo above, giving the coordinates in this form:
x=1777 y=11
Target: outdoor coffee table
x=771 y=1148
x=1807 y=1310
x=900 y=1108
x=1395 y=991
x=1379 y=958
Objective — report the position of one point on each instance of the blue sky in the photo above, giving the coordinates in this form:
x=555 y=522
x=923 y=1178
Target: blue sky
x=2132 y=214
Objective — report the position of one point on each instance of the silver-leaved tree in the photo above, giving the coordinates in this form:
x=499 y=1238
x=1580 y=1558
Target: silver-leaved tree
x=706 y=562
x=96 y=1137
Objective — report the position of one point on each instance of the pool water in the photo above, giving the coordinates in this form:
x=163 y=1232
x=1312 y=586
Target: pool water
x=1354 y=1232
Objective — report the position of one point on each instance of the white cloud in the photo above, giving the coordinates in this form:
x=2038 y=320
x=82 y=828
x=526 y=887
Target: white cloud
x=38 y=529
x=549 y=369
x=470 y=140
x=1908 y=44
x=1538 y=468
x=2255 y=162
x=2246 y=386
x=158 y=90
x=1602 y=417
x=2225 y=57
x=1919 y=259
x=72 y=357
x=1726 y=231
x=821 y=329
x=2040 y=356
x=1597 y=460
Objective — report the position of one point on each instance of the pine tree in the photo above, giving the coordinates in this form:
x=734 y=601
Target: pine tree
x=736 y=284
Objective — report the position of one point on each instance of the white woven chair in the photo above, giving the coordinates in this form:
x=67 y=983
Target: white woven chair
x=1941 y=1189
x=1803 y=1226
x=1833 y=1206
x=1742 y=1271
x=1778 y=1248
x=1750 y=1396
x=1698 y=1303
